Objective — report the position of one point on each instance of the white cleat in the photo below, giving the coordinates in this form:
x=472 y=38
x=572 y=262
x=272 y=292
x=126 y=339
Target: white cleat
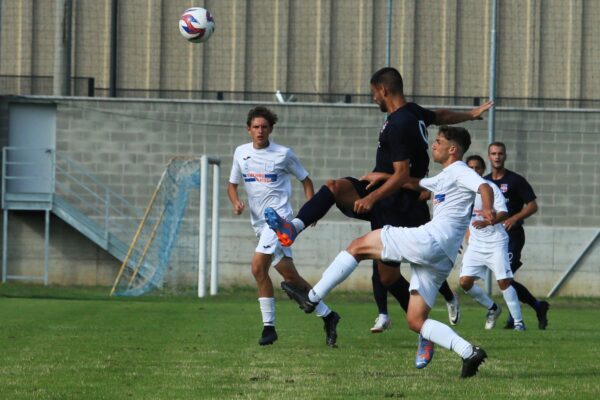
x=382 y=322
x=453 y=310
x=492 y=317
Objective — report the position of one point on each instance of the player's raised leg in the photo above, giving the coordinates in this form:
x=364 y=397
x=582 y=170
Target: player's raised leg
x=291 y=278
x=336 y=191
x=366 y=247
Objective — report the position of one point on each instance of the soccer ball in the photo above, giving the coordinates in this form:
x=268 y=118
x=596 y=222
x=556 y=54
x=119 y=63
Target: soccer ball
x=196 y=24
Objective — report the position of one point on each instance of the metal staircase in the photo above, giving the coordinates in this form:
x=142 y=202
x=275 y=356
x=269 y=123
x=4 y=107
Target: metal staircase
x=70 y=192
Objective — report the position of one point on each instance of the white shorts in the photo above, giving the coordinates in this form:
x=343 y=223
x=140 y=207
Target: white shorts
x=269 y=244
x=478 y=259
x=429 y=264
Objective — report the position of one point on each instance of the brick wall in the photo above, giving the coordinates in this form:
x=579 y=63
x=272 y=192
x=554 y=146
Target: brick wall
x=126 y=143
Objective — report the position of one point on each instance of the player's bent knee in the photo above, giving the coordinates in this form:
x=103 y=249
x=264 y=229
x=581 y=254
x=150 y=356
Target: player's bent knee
x=504 y=284
x=466 y=283
x=388 y=275
x=259 y=272
x=331 y=185
x=415 y=324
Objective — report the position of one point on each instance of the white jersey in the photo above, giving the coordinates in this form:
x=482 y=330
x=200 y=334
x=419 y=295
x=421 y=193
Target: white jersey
x=453 y=190
x=490 y=234
x=266 y=175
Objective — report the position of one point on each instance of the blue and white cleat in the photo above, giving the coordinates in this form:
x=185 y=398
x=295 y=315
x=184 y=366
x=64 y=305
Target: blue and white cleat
x=285 y=230
x=424 y=353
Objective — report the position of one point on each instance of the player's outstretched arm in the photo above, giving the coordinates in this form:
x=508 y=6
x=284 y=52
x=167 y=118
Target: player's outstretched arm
x=413 y=184
x=374 y=178
x=449 y=117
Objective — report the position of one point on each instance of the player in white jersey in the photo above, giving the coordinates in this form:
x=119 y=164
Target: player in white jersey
x=266 y=169
x=430 y=249
x=488 y=248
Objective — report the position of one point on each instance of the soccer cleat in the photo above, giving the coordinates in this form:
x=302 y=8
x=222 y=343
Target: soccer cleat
x=330 y=325
x=471 y=364
x=519 y=326
x=542 y=314
x=492 y=316
x=284 y=229
x=510 y=323
x=382 y=322
x=300 y=296
x=453 y=310
x=268 y=335
x=424 y=353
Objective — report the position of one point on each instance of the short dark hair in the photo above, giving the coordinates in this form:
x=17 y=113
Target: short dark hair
x=499 y=144
x=458 y=135
x=477 y=158
x=390 y=79
x=263 y=112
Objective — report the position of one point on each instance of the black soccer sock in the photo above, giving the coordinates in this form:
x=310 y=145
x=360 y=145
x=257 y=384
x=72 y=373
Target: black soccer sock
x=446 y=292
x=314 y=209
x=525 y=295
x=379 y=291
x=399 y=290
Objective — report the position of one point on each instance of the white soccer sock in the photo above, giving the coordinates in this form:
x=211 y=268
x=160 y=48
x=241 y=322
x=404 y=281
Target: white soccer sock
x=341 y=268
x=479 y=295
x=444 y=336
x=322 y=310
x=512 y=302
x=267 y=309
x=298 y=224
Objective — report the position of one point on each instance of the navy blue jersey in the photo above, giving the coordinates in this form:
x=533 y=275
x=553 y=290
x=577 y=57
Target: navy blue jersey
x=516 y=190
x=403 y=136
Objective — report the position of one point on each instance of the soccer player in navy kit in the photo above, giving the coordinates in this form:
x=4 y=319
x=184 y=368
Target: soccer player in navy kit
x=521 y=203
x=402 y=153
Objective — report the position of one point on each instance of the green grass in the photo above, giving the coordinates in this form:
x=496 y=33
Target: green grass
x=74 y=343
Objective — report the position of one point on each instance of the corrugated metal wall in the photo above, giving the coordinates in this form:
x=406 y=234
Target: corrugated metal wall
x=546 y=49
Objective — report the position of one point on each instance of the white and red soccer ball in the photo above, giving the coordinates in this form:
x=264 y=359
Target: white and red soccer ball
x=196 y=24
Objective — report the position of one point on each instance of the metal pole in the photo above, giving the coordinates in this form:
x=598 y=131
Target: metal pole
x=4 y=245
x=5 y=216
x=572 y=267
x=62 y=41
x=202 y=239
x=106 y=214
x=492 y=112
x=46 y=246
x=388 y=44
x=114 y=19
x=214 y=250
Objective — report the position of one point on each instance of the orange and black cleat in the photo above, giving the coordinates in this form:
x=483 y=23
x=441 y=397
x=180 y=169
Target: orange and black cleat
x=284 y=229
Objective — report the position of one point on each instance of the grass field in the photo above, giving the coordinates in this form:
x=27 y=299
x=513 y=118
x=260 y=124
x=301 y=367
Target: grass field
x=65 y=343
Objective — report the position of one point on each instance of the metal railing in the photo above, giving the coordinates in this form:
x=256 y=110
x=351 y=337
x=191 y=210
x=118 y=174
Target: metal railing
x=113 y=214
x=72 y=193
x=43 y=85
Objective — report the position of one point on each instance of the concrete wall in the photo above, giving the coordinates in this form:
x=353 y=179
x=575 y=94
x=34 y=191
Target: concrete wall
x=126 y=143
x=545 y=49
